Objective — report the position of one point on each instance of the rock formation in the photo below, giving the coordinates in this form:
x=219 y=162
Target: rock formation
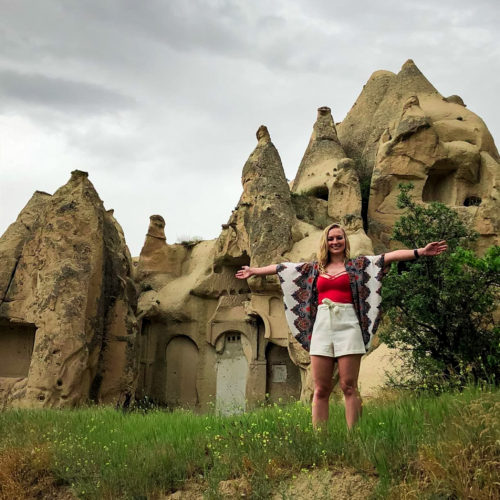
x=320 y=159
x=158 y=261
x=66 y=311
x=376 y=108
x=72 y=329
x=223 y=322
x=260 y=229
x=418 y=136
x=327 y=187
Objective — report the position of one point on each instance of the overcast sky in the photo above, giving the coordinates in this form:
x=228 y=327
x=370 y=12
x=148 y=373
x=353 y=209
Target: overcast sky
x=160 y=100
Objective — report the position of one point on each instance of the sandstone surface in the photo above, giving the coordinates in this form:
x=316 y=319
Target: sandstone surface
x=376 y=108
x=67 y=310
x=325 y=173
x=228 y=322
x=447 y=153
x=259 y=230
x=401 y=129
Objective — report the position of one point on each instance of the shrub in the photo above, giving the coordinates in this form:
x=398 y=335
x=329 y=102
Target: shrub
x=189 y=241
x=441 y=308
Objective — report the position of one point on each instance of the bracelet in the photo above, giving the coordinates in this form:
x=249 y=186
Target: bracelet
x=415 y=253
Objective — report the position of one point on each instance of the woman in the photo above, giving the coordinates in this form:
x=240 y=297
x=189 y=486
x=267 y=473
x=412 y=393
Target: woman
x=333 y=309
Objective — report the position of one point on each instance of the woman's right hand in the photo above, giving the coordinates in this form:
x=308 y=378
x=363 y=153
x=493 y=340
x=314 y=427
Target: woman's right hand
x=244 y=273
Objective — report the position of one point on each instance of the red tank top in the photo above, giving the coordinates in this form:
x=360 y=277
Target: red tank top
x=337 y=289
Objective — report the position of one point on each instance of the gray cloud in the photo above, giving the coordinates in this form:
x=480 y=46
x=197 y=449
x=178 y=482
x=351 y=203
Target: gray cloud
x=59 y=94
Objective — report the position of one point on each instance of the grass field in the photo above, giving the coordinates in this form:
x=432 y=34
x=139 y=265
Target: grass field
x=414 y=446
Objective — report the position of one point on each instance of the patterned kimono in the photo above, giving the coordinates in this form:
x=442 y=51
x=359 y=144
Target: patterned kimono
x=300 y=295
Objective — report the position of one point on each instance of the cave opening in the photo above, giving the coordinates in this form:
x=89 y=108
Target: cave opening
x=16 y=348
x=321 y=192
x=472 y=201
x=439 y=186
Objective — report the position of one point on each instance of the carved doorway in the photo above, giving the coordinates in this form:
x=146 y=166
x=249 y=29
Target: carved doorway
x=147 y=349
x=182 y=368
x=283 y=376
x=232 y=370
x=16 y=348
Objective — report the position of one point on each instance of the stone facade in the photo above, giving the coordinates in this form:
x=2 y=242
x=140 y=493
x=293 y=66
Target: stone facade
x=80 y=322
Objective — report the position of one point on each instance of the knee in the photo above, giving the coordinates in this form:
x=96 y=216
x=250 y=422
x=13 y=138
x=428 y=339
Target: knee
x=349 y=387
x=322 y=391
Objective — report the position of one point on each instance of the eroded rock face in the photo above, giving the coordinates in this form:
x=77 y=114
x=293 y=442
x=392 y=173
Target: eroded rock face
x=320 y=159
x=12 y=241
x=402 y=129
x=377 y=108
x=325 y=173
x=449 y=156
x=157 y=257
x=327 y=187
x=71 y=298
x=260 y=229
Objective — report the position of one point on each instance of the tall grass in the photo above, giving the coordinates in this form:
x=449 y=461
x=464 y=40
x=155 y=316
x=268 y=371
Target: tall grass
x=104 y=453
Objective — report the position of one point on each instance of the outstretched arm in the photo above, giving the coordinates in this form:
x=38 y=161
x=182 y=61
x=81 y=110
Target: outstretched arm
x=431 y=249
x=245 y=272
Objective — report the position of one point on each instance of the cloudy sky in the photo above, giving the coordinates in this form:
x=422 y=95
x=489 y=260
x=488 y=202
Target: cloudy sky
x=160 y=100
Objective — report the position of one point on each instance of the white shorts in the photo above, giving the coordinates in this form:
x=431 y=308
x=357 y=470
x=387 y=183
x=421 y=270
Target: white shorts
x=336 y=331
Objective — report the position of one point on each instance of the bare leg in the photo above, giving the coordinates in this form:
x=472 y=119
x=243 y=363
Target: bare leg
x=348 y=374
x=322 y=373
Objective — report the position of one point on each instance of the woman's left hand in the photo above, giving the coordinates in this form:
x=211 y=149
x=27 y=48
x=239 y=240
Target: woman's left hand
x=435 y=248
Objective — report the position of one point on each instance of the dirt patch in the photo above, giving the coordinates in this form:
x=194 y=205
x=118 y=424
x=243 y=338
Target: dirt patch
x=191 y=490
x=319 y=484
x=326 y=484
x=195 y=490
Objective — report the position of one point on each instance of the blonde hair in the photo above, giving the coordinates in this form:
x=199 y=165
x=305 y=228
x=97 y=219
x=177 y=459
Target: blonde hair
x=324 y=254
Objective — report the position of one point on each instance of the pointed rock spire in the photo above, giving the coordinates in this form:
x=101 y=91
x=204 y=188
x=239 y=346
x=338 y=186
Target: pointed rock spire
x=324 y=128
x=261 y=225
x=263 y=136
x=411 y=80
x=320 y=158
x=328 y=178
x=156 y=228
x=378 y=107
x=157 y=257
x=154 y=252
x=269 y=208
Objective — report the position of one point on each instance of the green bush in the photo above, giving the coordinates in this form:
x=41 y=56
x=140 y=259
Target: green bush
x=441 y=308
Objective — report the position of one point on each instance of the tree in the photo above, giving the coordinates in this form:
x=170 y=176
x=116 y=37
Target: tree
x=442 y=308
